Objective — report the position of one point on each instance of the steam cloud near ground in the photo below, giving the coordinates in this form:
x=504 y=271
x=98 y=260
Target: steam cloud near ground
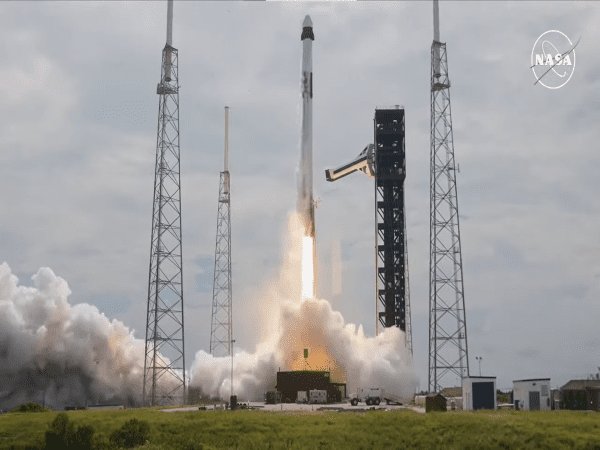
x=60 y=354
x=361 y=361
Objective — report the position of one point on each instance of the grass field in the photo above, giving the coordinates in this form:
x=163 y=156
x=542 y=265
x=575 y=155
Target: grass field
x=326 y=430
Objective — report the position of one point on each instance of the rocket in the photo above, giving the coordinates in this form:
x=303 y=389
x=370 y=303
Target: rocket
x=306 y=205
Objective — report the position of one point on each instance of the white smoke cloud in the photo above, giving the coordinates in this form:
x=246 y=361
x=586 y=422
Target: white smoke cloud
x=293 y=325
x=60 y=354
x=359 y=360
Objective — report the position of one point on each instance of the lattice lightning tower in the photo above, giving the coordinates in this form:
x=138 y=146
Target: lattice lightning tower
x=164 y=365
x=221 y=323
x=448 y=351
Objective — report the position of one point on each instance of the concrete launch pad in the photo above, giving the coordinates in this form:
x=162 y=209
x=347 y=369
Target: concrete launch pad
x=296 y=407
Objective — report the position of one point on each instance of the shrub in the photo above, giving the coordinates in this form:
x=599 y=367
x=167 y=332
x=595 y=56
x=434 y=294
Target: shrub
x=101 y=442
x=29 y=407
x=63 y=435
x=81 y=439
x=134 y=432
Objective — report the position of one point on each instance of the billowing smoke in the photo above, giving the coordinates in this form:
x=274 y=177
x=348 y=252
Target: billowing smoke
x=344 y=349
x=59 y=354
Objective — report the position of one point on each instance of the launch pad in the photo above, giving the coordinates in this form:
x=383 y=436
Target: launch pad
x=291 y=383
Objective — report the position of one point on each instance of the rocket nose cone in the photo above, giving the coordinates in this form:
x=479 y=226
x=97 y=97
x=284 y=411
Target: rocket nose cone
x=307 y=29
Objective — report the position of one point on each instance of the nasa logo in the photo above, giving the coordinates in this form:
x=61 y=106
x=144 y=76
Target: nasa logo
x=553 y=59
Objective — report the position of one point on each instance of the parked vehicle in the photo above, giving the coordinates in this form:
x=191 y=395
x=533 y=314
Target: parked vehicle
x=371 y=396
x=374 y=396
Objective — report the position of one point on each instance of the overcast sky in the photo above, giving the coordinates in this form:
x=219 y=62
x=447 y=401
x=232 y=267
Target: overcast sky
x=77 y=140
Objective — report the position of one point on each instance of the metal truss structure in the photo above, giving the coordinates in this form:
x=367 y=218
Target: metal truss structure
x=390 y=219
x=386 y=162
x=164 y=365
x=448 y=351
x=221 y=337
x=407 y=311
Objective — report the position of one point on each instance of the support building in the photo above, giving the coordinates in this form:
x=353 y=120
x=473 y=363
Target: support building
x=479 y=393
x=532 y=394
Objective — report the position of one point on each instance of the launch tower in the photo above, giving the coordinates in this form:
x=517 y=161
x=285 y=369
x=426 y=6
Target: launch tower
x=221 y=323
x=164 y=363
x=390 y=173
x=386 y=162
x=448 y=352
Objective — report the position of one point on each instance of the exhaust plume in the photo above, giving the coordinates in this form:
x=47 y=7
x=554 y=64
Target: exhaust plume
x=344 y=349
x=58 y=354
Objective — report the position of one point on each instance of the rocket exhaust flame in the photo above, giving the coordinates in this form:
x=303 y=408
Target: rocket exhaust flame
x=308 y=268
x=307 y=322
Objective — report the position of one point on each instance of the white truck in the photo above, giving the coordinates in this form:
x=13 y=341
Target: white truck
x=374 y=396
x=371 y=396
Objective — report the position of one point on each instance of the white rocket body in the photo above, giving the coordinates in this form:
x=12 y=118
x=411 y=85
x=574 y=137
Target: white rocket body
x=306 y=206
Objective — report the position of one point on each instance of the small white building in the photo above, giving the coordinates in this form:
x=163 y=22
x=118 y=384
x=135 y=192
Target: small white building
x=478 y=393
x=532 y=394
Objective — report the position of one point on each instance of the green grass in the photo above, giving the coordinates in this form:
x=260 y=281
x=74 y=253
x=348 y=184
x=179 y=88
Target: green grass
x=327 y=430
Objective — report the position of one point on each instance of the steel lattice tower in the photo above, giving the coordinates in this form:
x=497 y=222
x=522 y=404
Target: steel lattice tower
x=221 y=324
x=448 y=351
x=164 y=365
x=385 y=160
x=393 y=303
x=408 y=313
